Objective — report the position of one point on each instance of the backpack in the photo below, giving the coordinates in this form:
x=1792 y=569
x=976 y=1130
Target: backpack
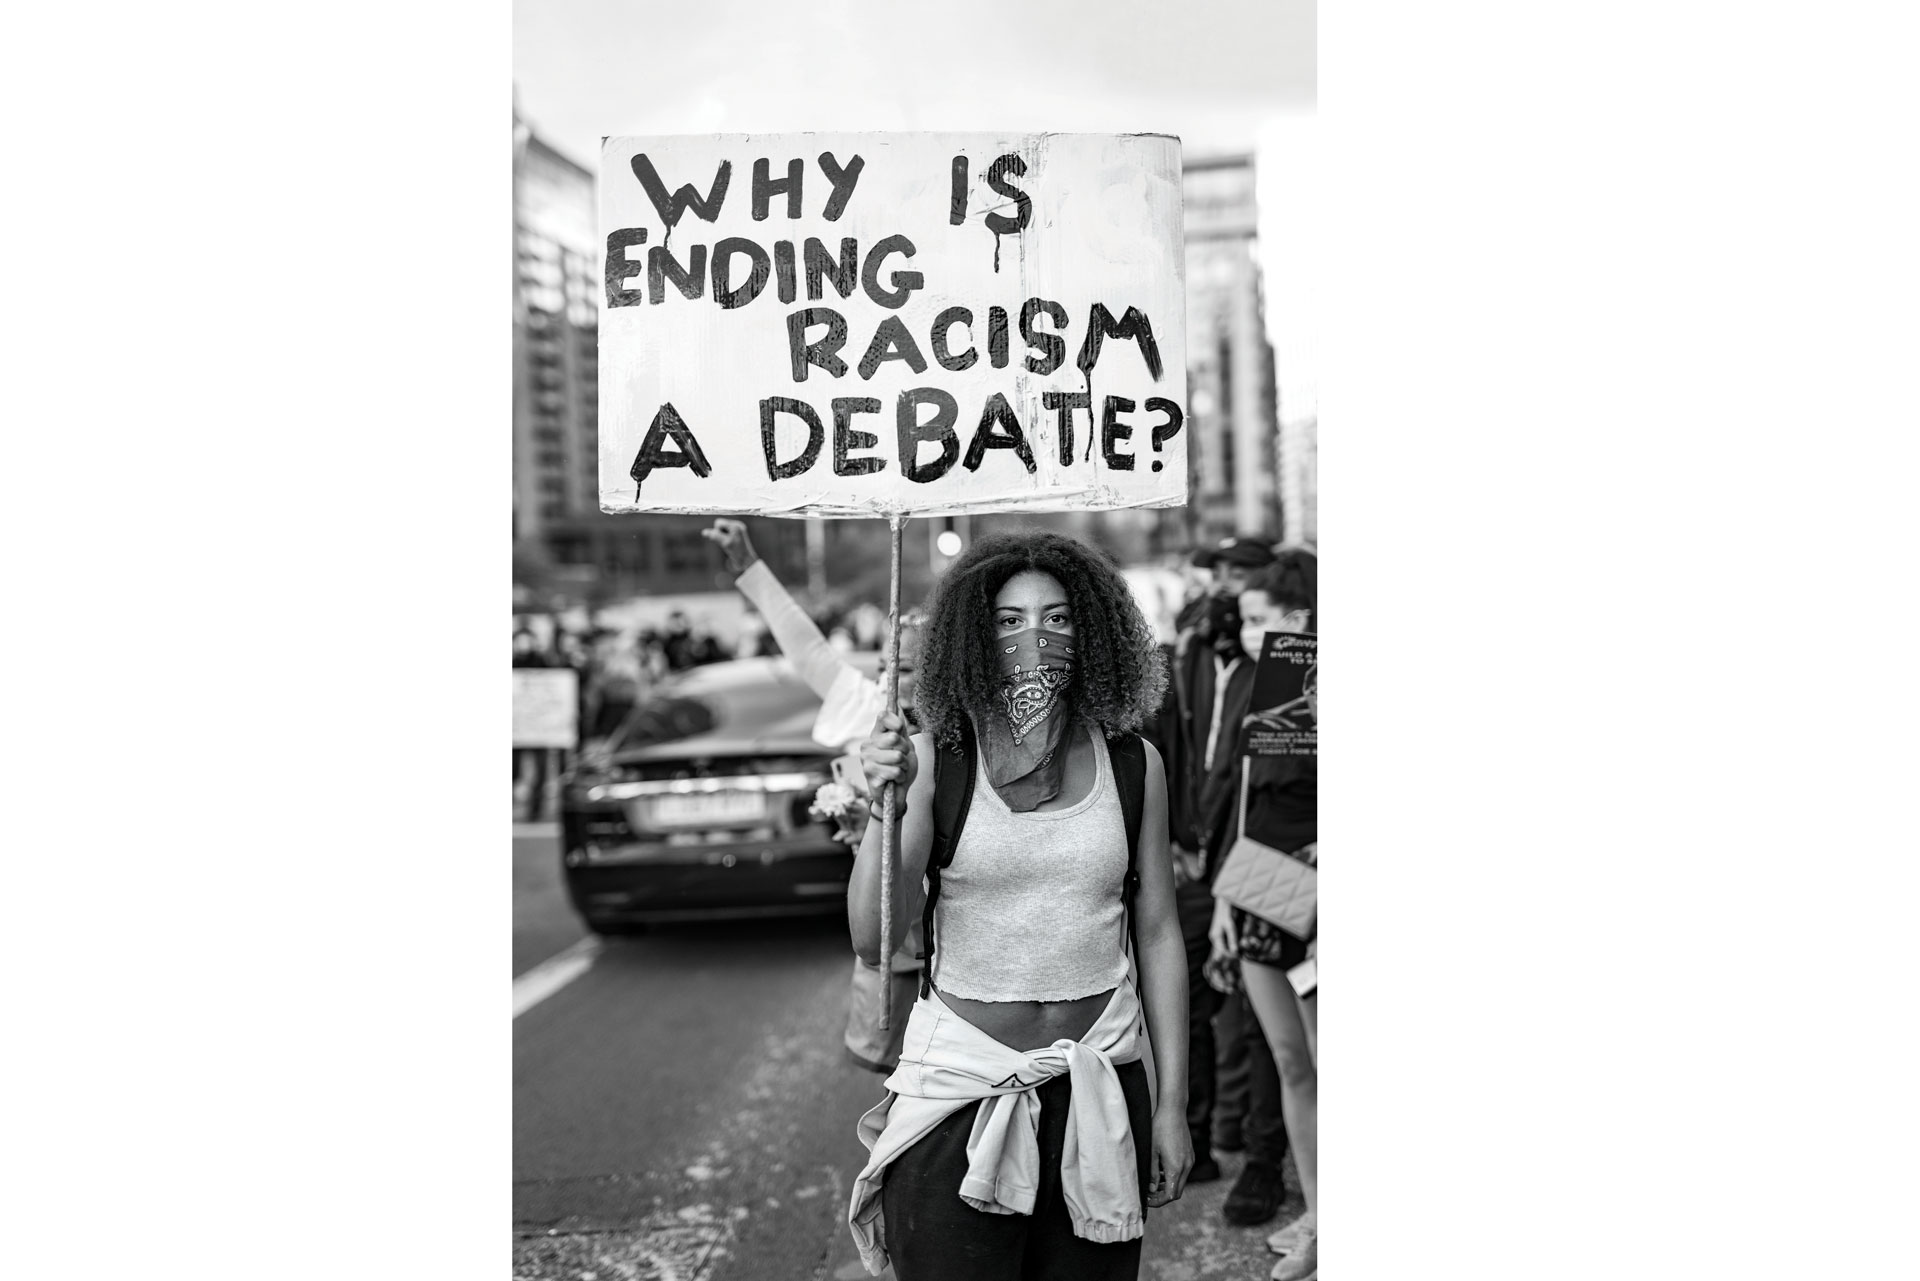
x=873 y=987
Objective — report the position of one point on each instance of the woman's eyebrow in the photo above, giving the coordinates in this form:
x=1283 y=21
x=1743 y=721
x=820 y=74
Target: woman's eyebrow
x=1054 y=604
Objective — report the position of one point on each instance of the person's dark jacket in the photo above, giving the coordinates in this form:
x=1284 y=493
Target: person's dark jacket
x=1200 y=801
x=1218 y=788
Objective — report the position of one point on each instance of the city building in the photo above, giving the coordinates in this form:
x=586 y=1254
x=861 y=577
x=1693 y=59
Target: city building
x=565 y=548
x=555 y=345
x=1299 y=473
x=1231 y=405
x=1234 y=441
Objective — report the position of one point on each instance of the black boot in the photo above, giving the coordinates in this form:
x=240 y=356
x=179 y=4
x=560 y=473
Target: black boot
x=1256 y=1195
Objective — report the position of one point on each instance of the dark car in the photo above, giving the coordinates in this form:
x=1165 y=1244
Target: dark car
x=697 y=808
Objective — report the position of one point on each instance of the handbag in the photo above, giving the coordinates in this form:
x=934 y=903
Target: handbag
x=873 y=986
x=1279 y=888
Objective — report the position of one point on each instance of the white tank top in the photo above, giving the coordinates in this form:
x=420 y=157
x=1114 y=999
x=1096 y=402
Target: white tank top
x=1030 y=907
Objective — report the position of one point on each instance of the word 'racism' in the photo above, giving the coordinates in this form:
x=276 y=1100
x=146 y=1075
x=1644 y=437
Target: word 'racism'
x=735 y=271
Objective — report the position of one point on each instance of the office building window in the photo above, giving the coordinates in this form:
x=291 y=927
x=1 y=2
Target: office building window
x=685 y=550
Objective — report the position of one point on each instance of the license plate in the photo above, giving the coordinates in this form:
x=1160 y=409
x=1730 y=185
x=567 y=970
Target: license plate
x=705 y=809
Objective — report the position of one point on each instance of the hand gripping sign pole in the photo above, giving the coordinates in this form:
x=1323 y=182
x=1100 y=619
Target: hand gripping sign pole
x=889 y=803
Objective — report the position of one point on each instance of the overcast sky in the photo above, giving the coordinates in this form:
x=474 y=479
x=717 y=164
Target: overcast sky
x=1225 y=75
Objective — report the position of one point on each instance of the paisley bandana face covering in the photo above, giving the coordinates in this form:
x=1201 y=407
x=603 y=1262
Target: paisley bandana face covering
x=1026 y=760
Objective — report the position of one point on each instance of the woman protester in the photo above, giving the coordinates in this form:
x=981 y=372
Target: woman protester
x=1282 y=811
x=1022 y=1135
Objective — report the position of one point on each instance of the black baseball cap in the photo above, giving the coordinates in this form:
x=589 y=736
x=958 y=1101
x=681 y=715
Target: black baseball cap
x=1250 y=552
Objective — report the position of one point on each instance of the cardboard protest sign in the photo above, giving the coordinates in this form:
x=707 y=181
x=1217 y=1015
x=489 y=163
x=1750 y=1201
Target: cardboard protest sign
x=1283 y=719
x=545 y=707
x=875 y=324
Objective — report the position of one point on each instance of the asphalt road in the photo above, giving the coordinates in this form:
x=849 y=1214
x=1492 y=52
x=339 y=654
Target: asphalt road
x=684 y=1111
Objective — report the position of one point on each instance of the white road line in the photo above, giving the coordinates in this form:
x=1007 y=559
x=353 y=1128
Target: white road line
x=552 y=974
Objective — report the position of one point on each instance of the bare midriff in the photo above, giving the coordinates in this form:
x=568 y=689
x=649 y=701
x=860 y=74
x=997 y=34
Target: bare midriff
x=1030 y=1025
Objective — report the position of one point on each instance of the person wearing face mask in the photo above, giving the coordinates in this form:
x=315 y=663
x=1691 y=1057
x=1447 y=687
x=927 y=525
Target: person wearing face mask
x=1282 y=811
x=1039 y=1109
x=1212 y=678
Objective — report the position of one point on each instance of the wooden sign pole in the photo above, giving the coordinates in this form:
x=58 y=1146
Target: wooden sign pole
x=889 y=806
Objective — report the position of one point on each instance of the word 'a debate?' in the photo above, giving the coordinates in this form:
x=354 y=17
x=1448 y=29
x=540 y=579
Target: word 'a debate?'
x=670 y=442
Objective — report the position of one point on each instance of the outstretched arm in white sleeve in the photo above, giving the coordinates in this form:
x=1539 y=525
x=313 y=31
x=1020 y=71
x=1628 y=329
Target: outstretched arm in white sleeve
x=815 y=660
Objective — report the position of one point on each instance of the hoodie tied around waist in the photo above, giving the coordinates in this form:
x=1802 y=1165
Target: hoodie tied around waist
x=947 y=1063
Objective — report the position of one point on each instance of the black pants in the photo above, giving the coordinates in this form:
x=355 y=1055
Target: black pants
x=1261 y=1125
x=933 y=1235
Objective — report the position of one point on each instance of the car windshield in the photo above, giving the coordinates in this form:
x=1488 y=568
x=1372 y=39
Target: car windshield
x=664 y=719
x=727 y=707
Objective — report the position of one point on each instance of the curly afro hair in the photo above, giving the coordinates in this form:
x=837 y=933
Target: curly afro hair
x=1119 y=680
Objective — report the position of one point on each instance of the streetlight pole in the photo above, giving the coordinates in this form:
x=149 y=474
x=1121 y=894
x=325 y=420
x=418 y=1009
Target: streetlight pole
x=816 y=559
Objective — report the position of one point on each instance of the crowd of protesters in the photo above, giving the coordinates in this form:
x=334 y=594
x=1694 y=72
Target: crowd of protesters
x=614 y=671
x=617 y=668
x=1250 y=1045
x=1251 y=1039
x=1249 y=1064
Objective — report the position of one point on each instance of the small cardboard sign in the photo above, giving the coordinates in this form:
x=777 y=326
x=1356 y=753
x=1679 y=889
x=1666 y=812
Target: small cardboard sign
x=866 y=324
x=1283 y=719
x=546 y=707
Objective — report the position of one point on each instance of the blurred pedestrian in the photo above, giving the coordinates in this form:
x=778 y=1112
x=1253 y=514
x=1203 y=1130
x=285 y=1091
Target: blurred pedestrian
x=572 y=651
x=654 y=666
x=527 y=651
x=677 y=642
x=705 y=647
x=869 y=624
x=755 y=641
x=617 y=684
x=1282 y=811
x=1027 y=1087
x=529 y=763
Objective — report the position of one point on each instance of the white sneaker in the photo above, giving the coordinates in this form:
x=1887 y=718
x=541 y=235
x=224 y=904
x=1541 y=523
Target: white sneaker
x=1302 y=1265
x=1287 y=1239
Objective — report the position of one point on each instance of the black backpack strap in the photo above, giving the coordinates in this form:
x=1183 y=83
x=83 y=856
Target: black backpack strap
x=953 y=770
x=1128 y=752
